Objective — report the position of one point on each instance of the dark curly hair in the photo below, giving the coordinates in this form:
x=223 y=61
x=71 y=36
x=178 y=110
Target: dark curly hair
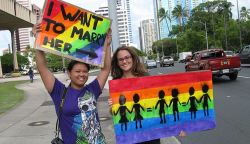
x=138 y=68
x=72 y=63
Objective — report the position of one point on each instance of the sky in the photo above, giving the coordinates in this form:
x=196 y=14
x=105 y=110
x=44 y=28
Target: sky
x=140 y=10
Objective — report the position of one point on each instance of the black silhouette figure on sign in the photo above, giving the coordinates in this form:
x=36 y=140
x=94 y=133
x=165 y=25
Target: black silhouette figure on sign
x=161 y=101
x=193 y=101
x=205 y=98
x=137 y=107
x=122 y=109
x=175 y=101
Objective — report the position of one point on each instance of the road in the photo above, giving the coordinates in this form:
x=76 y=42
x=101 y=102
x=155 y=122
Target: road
x=231 y=106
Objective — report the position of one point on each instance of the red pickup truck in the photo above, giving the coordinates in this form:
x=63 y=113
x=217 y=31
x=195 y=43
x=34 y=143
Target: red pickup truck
x=216 y=61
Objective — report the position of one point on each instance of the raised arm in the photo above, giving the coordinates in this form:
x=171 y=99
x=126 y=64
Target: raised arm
x=115 y=113
x=157 y=104
x=179 y=101
x=142 y=108
x=46 y=75
x=208 y=97
x=104 y=73
x=165 y=103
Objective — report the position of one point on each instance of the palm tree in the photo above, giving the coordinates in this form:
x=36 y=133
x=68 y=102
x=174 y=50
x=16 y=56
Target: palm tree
x=164 y=15
x=179 y=13
x=244 y=14
x=225 y=10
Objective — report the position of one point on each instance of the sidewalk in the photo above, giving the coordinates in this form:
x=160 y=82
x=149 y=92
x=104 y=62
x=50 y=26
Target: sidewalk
x=33 y=121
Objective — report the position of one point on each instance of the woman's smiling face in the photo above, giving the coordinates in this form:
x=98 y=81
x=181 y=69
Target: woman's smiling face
x=78 y=75
x=125 y=60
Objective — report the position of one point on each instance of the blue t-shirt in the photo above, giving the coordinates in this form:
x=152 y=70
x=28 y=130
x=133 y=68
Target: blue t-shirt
x=79 y=121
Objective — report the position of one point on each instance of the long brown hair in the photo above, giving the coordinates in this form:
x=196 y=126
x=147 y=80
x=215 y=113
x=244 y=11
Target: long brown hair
x=138 y=68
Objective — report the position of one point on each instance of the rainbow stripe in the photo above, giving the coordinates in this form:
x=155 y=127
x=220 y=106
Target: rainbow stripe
x=82 y=31
x=148 y=90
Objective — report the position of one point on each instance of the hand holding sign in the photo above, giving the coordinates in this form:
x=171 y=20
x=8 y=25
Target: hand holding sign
x=36 y=29
x=108 y=39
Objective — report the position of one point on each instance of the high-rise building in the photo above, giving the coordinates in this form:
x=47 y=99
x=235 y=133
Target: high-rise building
x=123 y=18
x=147 y=35
x=164 y=26
x=126 y=5
x=35 y=9
x=22 y=35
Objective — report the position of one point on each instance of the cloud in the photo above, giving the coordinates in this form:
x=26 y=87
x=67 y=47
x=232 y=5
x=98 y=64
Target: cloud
x=242 y=3
x=5 y=39
x=140 y=10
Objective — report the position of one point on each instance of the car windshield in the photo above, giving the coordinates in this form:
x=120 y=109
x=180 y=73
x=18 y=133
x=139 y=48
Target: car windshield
x=150 y=60
x=228 y=52
x=245 y=50
x=167 y=57
x=211 y=54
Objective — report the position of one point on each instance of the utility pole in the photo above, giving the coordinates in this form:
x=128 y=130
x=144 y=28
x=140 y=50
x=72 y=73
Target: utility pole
x=206 y=34
x=162 y=48
x=205 y=24
x=239 y=24
x=177 y=49
x=1 y=71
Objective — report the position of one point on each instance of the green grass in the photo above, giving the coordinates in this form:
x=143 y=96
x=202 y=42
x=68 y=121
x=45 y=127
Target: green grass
x=10 y=96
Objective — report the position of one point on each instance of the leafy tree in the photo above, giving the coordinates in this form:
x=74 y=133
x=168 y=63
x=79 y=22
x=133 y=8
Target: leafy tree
x=55 y=62
x=244 y=14
x=222 y=30
x=245 y=28
x=7 y=62
x=164 y=15
x=138 y=52
x=30 y=52
x=152 y=56
x=179 y=13
x=167 y=46
x=206 y=12
x=225 y=9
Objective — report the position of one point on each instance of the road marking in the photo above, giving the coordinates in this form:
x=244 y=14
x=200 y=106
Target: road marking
x=244 y=77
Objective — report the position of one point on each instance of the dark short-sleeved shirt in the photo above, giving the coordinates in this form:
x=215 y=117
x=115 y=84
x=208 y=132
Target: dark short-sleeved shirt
x=79 y=121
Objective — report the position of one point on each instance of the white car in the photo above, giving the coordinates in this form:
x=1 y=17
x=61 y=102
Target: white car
x=229 y=53
x=167 y=60
x=151 y=64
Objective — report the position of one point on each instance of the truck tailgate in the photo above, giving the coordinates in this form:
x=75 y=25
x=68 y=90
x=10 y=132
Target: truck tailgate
x=224 y=63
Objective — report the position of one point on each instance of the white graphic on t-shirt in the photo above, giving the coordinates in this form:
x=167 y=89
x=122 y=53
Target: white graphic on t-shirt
x=91 y=126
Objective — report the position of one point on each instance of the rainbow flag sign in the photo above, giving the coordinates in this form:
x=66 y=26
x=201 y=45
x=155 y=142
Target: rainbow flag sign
x=72 y=32
x=154 y=107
